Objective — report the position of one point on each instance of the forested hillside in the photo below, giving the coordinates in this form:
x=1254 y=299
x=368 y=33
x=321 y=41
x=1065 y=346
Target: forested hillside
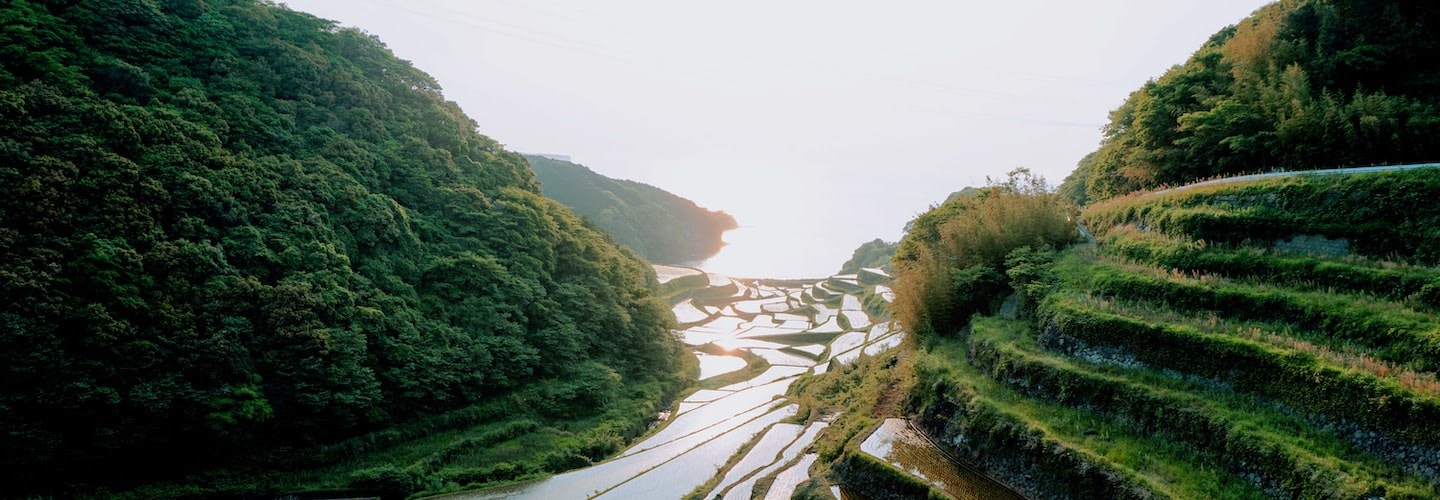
x=1300 y=84
x=657 y=224
x=229 y=231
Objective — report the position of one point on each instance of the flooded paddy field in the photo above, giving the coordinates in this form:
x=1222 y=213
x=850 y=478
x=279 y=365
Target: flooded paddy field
x=796 y=327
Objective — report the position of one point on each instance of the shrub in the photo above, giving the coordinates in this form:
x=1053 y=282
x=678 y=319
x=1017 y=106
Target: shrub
x=1030 y=274
x=502 y=471
x=1428 y=295
x=939 y=281
x=386 y=478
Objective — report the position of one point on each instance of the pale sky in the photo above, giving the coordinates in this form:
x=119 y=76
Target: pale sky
x=818 y=124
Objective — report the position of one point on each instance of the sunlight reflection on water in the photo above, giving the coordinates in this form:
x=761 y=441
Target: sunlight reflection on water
x=777 y=249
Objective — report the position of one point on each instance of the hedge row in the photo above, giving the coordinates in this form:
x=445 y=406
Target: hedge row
x=1184 y=417
x=1292 y=378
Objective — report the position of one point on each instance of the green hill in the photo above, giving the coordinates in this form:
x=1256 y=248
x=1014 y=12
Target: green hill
x=1300 y=84
x=658 y=225
x=1240 y=340
x=233 y=235
x=1252 y=339
x=875 y=253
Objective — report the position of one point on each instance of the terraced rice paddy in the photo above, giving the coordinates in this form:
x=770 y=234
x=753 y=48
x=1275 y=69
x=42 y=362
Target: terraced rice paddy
x=665 y=274
x=900 y=444
x=857 y=319
x=1192 y=350
x=885 y=293
x=686 y=312
x=711 y=366
x=784 y=327
x=874 y=272
x=743 y=487
x=763 y=454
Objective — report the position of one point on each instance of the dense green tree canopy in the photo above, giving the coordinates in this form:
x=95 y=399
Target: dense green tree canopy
x=657 y=224
x=1300 y=84
x=227 y=227
x=875 y=253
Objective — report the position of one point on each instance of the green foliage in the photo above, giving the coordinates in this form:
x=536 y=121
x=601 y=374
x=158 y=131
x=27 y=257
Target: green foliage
x=854 y=393
x=1428 y=295
x=658 y=225
x=977 y=287
x=875 y=253
x=854 y=398
x=1395 y=283
x=1299 y=84
x=387 y=478
x=1391 y=332
x=1209 y=364
x=228 y=229
x=1224 y=429
x=1294 y=378
x=502 y=440
x=1031 y=275
x=1019 y=440
x=1384 y=215
x=950 y=263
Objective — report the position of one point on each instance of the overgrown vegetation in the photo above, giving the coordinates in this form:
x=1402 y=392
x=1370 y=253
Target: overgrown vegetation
x=1267 y=338
x=1163 y=362
x=856 y=397
x=1052 y=450
x=233 y=233
x=950 y=264
x=655 y=223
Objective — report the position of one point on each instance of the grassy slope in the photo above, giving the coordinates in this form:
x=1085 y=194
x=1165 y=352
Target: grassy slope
x=1165 y=363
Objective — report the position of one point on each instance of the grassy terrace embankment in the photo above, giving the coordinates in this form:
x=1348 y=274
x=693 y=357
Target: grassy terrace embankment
x=1214 y=359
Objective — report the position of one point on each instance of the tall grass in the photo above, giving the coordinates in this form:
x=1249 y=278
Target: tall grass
x=950 y=263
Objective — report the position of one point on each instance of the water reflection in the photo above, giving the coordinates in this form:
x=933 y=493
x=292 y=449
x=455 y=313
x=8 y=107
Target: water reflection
x=900 y=444
x=775 y=321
